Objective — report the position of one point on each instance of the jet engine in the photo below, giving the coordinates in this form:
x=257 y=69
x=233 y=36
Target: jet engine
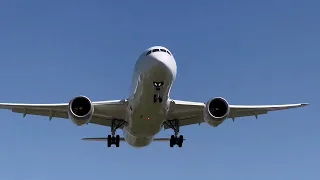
x=80 y=110
x=216 y=111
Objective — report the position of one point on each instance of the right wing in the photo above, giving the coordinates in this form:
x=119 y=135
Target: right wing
x=104 y=111
x=190 y=113
x=237 y=111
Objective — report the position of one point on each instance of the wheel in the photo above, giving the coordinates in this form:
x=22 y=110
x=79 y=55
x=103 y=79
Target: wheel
x=172 y=141
x=160 y=99
x=155 y=98
x=181 y=138
x=117 y=141
x=180 y=141
x=109 y=140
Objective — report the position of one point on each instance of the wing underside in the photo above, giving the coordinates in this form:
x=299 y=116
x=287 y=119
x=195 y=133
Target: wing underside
x=189 y=113
x=104 y=111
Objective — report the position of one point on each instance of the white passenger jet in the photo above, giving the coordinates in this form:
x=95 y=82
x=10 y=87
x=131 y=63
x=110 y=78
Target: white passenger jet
x=148 y=109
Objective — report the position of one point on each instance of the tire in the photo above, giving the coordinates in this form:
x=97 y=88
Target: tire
x=180 y=141
x=117 y=141
x=109 y=140
x=172 y=141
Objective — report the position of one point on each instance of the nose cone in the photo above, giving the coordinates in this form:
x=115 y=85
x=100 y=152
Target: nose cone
x=164 y=63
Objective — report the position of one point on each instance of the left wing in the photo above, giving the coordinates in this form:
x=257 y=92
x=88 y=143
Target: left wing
x=189 y=113
x=104 y=111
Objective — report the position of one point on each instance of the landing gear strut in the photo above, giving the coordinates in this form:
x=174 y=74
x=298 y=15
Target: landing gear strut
x=175 y=139
x=157 y=86
x=115 y=139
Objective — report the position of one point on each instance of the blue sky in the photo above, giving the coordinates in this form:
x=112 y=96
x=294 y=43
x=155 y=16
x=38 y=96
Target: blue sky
x=250 y=52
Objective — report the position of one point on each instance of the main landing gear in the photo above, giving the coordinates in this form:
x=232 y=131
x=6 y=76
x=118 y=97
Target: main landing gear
x=175 y=139
x=157 y=97
x=115 y=139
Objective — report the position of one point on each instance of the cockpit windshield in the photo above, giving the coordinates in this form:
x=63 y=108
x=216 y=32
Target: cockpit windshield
x=157 y=50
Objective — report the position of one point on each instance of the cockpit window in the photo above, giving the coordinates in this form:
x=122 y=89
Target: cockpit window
x=157 y=50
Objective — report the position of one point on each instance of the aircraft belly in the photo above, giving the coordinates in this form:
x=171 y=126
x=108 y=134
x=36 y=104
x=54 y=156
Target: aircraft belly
x=147 y=116
x=146 y=121
x=137 y=141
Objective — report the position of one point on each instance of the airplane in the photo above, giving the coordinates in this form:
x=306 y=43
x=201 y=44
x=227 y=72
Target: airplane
x=148 y=108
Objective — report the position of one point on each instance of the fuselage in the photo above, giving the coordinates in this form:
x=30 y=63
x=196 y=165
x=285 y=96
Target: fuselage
x=144 y=116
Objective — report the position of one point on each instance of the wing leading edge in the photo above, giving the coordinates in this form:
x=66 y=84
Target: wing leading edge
x=237 y=111
x=104 y=111
x=190 y=113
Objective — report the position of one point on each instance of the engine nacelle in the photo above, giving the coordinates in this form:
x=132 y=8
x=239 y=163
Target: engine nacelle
x=80 y=110
x=216 y=111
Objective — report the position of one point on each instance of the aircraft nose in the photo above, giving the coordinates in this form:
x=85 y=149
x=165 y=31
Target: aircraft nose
x=164 y=62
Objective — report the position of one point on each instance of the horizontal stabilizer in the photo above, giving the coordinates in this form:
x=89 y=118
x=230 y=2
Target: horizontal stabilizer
x=99 y=139
x=122 y=139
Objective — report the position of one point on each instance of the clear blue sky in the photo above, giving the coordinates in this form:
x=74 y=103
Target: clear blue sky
x=250 y=52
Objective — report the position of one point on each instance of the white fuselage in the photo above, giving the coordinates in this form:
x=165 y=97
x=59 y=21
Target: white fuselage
x=144 y=116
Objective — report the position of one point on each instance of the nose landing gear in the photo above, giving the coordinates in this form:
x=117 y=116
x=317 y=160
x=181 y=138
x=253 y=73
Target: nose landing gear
x=157 y=97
